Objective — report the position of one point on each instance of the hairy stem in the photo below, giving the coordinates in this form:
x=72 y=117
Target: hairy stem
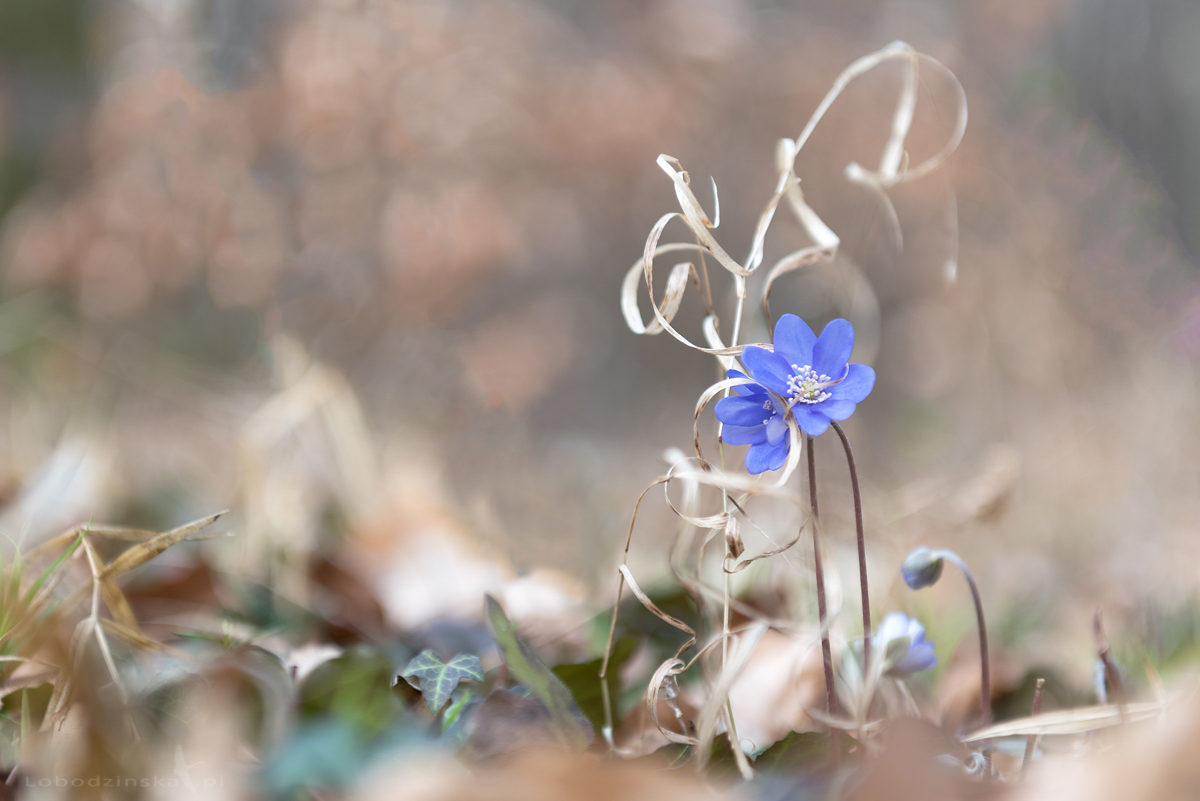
x=862 y=550
x=822 y=613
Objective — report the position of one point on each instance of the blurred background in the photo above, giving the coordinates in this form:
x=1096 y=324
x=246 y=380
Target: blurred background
x=351 y=270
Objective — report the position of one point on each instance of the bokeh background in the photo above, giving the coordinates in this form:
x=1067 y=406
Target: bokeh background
x=351 y=269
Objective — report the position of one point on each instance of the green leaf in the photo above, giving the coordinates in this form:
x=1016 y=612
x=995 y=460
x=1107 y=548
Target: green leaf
x=797 y=753
x=454 y=719
x=571 y=728
x=808 y=749
x=583 y=679
x=356 y=688
x=437 y=679
x=721 y=759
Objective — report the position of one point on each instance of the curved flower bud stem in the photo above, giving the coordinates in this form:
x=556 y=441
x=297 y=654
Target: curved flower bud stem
x=985 y=681
x=822 y=612
x=862 y=549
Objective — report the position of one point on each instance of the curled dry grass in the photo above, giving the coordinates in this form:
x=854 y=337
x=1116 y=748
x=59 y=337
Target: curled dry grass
x=709 y=546
x=735 y=488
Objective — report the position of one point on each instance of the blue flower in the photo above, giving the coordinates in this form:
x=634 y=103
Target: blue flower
x=807 y=376
x=901 y=640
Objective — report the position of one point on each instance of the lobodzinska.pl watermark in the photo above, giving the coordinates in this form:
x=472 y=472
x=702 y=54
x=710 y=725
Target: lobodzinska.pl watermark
x=165 y=782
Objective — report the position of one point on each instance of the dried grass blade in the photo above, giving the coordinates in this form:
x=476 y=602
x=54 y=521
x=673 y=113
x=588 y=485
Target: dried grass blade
x=118 y=533
x=26 y=682
x=56 y=708
x=92 y=622
x=118 y=605
x=667 y=670
x=653 y=609
x=48 y=576
x=710 y=713
x=144 y=552
x=645 y=266
x=894 y=147
x=893 y=151
x=695 y=216
x=824 y=248
x=633 y=279
x=743 y=482
x=134 y=636
x=1069 y=721
x=786 y=180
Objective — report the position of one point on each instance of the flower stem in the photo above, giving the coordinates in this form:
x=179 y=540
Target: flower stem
x=1111 y=677
x=822 y=613
x=985 y=681
x=1031 y=740
x=862 y=550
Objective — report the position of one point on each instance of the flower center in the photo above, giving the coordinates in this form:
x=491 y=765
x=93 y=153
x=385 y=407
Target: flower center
x=807 y=386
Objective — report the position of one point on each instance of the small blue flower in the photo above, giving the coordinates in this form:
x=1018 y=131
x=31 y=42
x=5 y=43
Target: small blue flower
x=806 y=375
x=901 y=640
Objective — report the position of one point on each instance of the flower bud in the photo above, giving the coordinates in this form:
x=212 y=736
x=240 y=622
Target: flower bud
x=922 y=568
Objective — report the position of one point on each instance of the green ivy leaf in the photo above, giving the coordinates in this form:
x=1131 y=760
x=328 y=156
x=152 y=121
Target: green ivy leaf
x=437 y=679
x=455 y=717
x=571 y=727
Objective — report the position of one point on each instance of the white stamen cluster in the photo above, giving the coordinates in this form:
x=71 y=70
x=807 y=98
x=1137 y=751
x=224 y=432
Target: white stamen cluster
x=806 y=386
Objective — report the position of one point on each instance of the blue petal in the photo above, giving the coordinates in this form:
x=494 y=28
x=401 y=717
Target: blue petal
x=837 y=408
x=744 y=435
x=776 y=430
x=780 y=455
x=745 y=389
x=769 y=369
x=833 y=348
x=856 y=386
x=811 y=421
x=794 y=340
x=919 y=657
x=763 y=457
x=895 y=624
x=741 y=411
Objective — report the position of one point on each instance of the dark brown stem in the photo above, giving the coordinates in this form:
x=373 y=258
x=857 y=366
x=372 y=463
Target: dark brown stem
x=985 y=674
x=822 y=614
x=1111 y=677
x=1031 y=740
x=862 y=550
